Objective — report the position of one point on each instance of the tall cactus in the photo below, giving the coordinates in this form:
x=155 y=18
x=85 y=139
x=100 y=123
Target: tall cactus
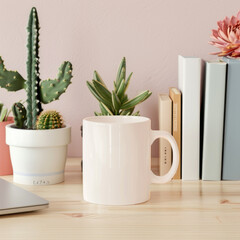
x=38 y=91
x=32 y=84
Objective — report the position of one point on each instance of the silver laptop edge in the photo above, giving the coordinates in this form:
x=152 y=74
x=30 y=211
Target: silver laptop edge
x=14 y=199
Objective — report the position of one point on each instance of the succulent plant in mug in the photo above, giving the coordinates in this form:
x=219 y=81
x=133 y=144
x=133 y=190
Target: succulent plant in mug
x=38 y=91
x=116 y=102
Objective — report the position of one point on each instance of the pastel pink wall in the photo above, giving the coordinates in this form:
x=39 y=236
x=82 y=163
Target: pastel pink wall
x=96 y=34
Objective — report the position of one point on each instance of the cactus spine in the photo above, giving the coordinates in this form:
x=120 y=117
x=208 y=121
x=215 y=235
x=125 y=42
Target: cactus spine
x=38 y=91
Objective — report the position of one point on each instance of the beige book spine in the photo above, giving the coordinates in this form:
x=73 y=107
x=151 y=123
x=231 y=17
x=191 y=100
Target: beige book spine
x=165 y=123
x=175 y=96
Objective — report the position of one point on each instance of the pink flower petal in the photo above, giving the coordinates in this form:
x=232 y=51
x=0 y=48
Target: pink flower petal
x=238 y=15
x=233 y=20
x=220 y=23
x=222 y=34
x=222 y=40
x=237 y=50
x=215 y=33
x=225 y=28
x=238 y=33
x=232 y=37
x=227 y=20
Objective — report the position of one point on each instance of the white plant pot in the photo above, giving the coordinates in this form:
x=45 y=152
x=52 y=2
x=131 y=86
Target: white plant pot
x=38 y=156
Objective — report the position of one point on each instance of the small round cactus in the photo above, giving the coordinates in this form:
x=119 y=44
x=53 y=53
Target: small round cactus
x=49 y=120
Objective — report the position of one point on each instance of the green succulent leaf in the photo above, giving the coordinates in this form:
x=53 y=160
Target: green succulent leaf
x=10 y=80
x=116 y=102
x=138 y=99
x=136 y=113
x=121 y=90
x=128 y=81
x=97 y=96
x=102 y=91
x=98 y=78
x=107 y=109
x=121 y=78
x=103 y=110
x=1 y=106
x=93 y=91
x=125 y=98
x=97 y=114
x=127 y=112
x=3 y=114
x=121 y=66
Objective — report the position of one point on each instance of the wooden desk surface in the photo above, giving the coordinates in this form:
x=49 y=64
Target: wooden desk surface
x=177 y=210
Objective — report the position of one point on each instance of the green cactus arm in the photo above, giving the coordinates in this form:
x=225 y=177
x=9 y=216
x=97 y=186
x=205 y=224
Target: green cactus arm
x=10 y=80
x=20 y=115
x=32 y=84
x=98 y=78
x=51 y=90
x=138 y=99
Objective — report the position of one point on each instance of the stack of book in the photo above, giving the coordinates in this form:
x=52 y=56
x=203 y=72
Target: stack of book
x=170 y=121
x=203 y=114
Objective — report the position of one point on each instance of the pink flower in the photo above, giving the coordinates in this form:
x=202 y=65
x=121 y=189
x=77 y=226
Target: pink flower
x=227 y=37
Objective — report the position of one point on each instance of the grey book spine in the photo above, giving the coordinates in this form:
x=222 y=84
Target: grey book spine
x=213 y=120
x=231 y=149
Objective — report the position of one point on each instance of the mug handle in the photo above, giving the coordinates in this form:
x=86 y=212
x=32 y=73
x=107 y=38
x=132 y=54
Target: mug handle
x=168 y=176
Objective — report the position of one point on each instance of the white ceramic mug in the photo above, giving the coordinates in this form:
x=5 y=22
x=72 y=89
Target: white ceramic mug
x=117 y=159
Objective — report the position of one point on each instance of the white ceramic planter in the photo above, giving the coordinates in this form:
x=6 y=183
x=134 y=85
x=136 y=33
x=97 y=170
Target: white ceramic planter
x=38 y=156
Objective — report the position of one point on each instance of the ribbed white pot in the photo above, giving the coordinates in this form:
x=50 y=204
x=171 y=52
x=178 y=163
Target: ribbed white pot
x=38 y=156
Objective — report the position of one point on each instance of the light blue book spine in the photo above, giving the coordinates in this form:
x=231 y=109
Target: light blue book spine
x=231 y=150
x=215 y=82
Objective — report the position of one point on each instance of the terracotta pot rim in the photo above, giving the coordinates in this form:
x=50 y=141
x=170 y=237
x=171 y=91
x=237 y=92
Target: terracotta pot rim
x=9 y=121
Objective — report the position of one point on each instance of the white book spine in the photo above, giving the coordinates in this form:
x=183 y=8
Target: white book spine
x=189 y=82
x=213 y=120
x=165 y=123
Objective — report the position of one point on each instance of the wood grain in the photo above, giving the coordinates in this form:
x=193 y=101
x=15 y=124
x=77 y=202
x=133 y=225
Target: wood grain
x=177 y=210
